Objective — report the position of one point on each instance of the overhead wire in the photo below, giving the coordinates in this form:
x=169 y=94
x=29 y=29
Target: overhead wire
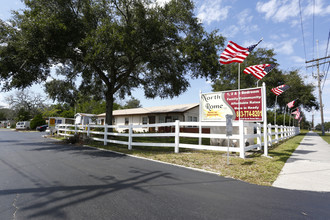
x=325 y=78
x=326 y=54
x=313 y=28
x=302 y=31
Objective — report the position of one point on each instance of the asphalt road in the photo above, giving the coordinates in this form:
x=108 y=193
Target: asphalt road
x=43 y=179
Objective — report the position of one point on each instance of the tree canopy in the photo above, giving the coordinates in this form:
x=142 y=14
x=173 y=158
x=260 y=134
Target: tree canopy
x=114 y=46
x=26 y=103
x=228 y=77
x=132 y=103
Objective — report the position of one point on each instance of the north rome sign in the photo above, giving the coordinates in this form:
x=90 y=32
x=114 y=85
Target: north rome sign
x=215 y=106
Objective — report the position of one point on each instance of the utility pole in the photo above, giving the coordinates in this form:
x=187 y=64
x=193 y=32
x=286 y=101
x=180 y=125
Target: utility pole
x=319 y=84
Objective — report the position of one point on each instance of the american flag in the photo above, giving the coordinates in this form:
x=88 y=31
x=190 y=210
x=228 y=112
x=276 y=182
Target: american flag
x=280 y=89
x=297 y=114
x=235 y=53
x=291 y=104
x=259 y=71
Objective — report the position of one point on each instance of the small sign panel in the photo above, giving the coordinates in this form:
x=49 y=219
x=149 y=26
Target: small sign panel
x=52 y=122
x=229 y=125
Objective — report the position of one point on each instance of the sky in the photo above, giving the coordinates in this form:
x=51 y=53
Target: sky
x=290 y=27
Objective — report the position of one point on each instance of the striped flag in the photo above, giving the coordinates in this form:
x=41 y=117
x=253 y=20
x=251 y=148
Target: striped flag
x=259 y=71
x=280 y=89
x=297 y=115
x=294 y=113
x=291 y=104
x=235 y=53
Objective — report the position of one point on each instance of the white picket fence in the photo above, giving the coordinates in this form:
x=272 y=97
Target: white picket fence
x=274 y=134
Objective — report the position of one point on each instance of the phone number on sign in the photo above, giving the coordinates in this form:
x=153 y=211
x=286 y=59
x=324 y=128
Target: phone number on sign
x=251 y=114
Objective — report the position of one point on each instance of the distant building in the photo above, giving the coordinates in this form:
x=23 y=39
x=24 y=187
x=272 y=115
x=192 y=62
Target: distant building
x=152 y=115
x=85 y=119
x=6 y=123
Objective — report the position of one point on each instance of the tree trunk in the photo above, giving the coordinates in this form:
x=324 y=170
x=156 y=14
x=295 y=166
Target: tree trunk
x=109 y=107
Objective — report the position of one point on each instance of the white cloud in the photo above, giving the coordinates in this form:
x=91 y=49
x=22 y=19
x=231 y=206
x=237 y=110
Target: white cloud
x=244 y=17
x=231 y=31
x=298 y=59
x=282 y=46
x=279 y=11
x=326 y=90
x=295 y=23
x=243 y=26
x=268 y=8
x=282 y=10
x=285 y=47
x=319 y=9
x=211 y=11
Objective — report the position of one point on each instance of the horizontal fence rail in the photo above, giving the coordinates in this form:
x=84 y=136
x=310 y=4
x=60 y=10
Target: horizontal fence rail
x=177 y=130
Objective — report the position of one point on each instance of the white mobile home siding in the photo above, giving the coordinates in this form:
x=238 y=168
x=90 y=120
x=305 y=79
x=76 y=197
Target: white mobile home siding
x=153 y=115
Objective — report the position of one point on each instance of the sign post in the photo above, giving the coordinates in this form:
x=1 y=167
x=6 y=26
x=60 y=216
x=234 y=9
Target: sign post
x=229 y=132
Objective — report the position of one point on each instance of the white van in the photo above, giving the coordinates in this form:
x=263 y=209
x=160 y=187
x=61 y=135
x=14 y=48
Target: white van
x=23 y=125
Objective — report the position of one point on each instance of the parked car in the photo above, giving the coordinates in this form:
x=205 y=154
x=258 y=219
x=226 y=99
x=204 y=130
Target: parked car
x=42 y=128
x=23 y=125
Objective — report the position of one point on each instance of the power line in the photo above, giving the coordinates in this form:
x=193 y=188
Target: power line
x=325 y=78
x=326 y=53
x=326 y=50
x=302 y=31
x=313 y=28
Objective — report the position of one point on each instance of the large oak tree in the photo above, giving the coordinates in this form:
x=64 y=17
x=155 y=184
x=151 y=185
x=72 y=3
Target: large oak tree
x=113 y=45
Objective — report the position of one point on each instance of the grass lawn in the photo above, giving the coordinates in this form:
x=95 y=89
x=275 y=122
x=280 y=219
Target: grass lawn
x=255 y=169
x=326 y=137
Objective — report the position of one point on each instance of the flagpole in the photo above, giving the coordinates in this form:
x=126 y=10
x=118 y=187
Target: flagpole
x=275 y=111
x=284 y=116
x=290 y=118
x=239 y=87
x=258 y=82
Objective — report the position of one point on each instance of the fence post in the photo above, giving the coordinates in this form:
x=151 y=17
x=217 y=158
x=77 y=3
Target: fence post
x=264 y=116
x=270 y=134
x=259 y=137
x=88 y=130
x=286 y=132
x=282 y=134
x=58 y=131
x=65 y=128
x=200 y=133
x=105 y=134
x=130 y=133
x=276 y=133
x=241 y=139
x=177 y=136
x=75 y=129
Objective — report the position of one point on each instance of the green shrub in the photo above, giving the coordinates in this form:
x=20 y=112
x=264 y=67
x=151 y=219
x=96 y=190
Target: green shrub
x=37 y=121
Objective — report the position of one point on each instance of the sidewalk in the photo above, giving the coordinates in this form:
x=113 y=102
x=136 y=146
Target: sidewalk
x=308 y=168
